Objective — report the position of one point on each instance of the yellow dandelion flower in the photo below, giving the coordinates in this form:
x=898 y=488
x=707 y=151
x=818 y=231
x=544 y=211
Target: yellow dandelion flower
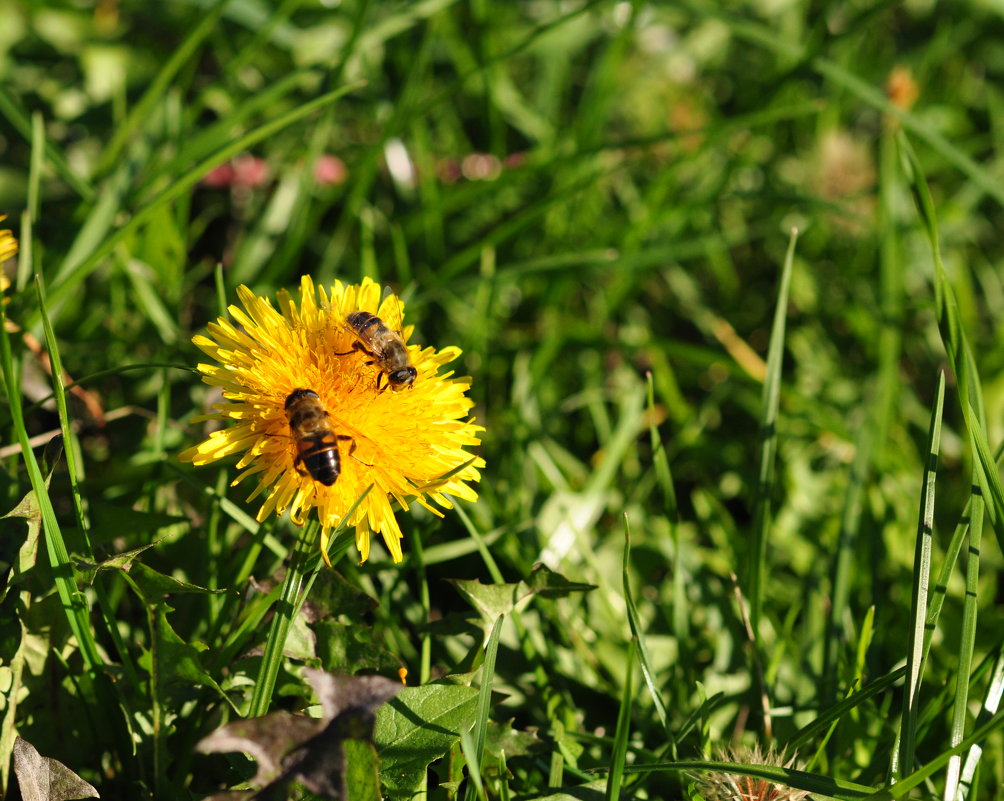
x=359 y=424
x=8 y=244
x=8 y=248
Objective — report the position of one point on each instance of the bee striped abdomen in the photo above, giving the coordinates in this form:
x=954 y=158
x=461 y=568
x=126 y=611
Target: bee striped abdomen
x=366 y=324
x=316 y=441
x=319 y=454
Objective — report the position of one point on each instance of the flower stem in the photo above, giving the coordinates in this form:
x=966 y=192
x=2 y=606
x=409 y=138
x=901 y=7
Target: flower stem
x=289 y=602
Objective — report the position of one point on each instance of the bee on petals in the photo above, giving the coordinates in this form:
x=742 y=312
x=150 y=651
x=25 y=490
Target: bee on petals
x=385 y=348
x=316 y=441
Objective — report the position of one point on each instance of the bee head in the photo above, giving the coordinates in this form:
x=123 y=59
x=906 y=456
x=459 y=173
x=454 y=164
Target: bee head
x=297 y=394
x=404 y=377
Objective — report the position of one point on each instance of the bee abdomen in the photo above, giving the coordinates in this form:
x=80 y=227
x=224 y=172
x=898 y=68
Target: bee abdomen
x=319 y=454
x=363 y=320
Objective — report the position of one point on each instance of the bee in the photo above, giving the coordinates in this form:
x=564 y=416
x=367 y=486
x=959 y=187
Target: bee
x=316 y=441
x=385 y=347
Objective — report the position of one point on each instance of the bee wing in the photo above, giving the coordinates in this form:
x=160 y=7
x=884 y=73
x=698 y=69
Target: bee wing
x=391 y=312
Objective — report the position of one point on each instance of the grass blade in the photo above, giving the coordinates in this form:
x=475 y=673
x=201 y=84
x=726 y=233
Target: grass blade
x=921 y=585
x=768 y=440
x=617 y=757
x=19 y=119
x=957 y=346
x=967 y=641
x=480 y=732
x=636 y=633
x=59 y=557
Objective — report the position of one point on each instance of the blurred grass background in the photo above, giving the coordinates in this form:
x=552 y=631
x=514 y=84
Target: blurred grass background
x=578 y=195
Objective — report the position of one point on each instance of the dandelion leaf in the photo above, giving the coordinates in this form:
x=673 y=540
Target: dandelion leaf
x=504 y=739
x=422 y=725
x=177 y=661
x=154 y=585
x=545 y=582
x=492 y=600
x=29 y=510
x=345 y=646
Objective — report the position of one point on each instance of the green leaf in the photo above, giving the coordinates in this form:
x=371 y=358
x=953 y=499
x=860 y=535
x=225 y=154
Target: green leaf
x=504 y=739
x=420 y=726
x=362 y=780
x=492 y=600
x=350 y=647
x=154 y=585
x=172 y=660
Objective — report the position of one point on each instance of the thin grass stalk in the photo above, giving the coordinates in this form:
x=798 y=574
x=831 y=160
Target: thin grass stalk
x=35 y=165
x=664 y=478
x=425 y=652
x=220 y=284
x=74 y=472
x=952 y=551
x=638 y=635
x=966 y=645
x=921 y=584
x=484 y=708
x=991 y=704
x=618 y=755
x=70 y=596
x=556 y=772
x=846 y=553
x=15 y=114
x=768 y=441
x=475 y=784
x=25 y=256
x=425 y=663
x=956 y=345
x=505 y=794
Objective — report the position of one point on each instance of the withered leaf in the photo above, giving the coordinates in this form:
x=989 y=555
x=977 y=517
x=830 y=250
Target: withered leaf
x=333 y=757
x=45 y=779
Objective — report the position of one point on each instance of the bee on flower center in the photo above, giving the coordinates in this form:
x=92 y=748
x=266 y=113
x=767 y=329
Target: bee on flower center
x=385 y=347
x=316 y=441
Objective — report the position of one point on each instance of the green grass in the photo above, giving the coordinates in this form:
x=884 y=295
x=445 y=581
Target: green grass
x=757 y=470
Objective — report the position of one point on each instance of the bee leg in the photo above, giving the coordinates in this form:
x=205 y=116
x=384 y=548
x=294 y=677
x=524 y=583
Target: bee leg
x=352 y=449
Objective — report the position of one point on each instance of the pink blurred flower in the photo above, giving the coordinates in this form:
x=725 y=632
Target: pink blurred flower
x=223 y=175
x=330 y=170
x=243 y=172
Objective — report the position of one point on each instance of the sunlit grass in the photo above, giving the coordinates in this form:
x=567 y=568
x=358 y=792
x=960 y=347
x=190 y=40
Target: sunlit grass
x=712 y=454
